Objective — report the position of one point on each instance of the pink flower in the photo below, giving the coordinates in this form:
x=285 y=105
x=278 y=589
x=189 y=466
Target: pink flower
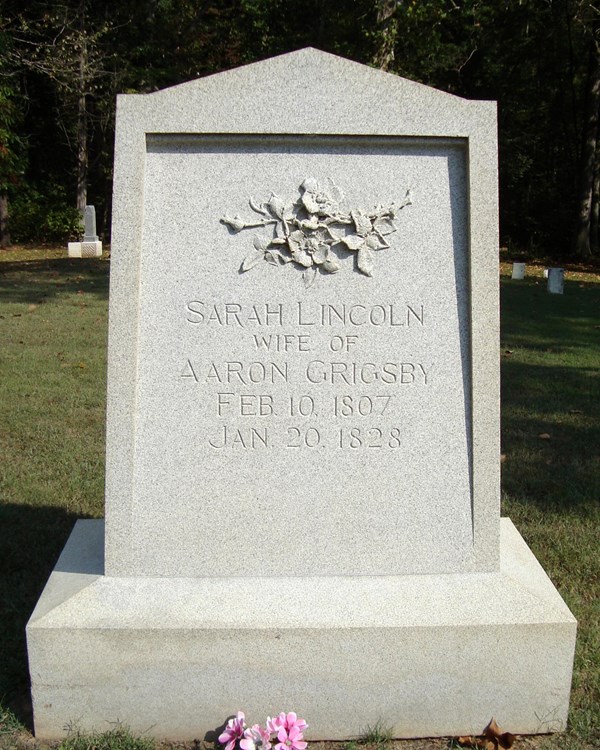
x=290 y=739
x=287 y=721
x=256 y=737
x=233 y=731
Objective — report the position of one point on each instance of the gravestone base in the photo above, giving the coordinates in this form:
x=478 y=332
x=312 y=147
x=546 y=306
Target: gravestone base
x=428 y=655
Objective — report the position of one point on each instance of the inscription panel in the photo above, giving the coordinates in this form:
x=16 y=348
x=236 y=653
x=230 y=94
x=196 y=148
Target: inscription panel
x=335 y=401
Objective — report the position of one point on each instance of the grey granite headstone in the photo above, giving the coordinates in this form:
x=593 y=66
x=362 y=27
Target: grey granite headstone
x=302 y=490
x=89 y=222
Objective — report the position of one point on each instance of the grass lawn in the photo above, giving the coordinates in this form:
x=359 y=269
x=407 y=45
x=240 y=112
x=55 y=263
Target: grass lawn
x=53 y=327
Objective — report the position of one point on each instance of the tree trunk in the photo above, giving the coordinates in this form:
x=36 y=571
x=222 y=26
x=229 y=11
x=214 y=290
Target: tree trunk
x=4 y=233
x=582 y=244
x=595 y=217
x=82 y=120
x=387 y=31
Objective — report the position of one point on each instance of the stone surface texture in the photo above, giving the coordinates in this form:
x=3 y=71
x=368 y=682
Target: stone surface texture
x=428 y=655
x=85 y=249
x=302 y=488
x=351 y=511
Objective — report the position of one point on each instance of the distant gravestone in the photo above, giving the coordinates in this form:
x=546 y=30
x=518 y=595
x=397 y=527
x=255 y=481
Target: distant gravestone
x=556 y=280
x=302 y=490
x=91 y=247
x=518 y=271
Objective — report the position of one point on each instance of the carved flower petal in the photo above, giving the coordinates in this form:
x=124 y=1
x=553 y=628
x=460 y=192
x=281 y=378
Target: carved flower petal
x=310 y=203
x=375 y=242
x=311 y=223
x=303 y=258
x=310 y=185
x=320 y=254
x=295 y=241
x=353 y=241
x=334 y=191
x=362 y=223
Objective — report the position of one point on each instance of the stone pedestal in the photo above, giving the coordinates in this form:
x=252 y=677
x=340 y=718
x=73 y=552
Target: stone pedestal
x=430 y=655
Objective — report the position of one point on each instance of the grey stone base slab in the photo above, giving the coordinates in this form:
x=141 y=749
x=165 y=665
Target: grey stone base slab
x=428 y=655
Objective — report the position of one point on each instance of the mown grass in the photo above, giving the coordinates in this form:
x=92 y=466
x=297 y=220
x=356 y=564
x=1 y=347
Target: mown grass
x=53 y=326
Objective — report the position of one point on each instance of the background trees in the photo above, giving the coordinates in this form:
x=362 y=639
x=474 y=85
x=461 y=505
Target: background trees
x=64 y=62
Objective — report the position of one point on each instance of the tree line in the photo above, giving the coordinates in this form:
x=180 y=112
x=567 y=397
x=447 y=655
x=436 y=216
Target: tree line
x=62 y=64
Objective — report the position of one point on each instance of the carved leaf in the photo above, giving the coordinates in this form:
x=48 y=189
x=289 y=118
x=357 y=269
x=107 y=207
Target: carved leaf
x=276 y=205
x=353 y=241
x=331 y=265
x=362 y=223
x=375 y=242
x=251 y=260
x=260 y=243
x=258 y=207
x=365 y=261
x=309 y=276
x=271 y=258
x=384 y=226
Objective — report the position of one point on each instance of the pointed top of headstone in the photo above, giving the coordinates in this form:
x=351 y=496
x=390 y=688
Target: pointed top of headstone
x=89 y=223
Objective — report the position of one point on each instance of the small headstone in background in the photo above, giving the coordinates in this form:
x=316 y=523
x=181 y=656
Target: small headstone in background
x=545 y=273
x=91 y=247
x=89 y=223
x=518 y=271
x=556 y=280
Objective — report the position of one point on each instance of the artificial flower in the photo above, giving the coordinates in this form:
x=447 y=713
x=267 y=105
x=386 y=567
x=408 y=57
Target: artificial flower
x=233 y=731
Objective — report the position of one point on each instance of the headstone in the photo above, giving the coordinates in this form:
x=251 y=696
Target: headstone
x=89 y=222
x=556 y=280
x=91 y=247
x=302 y=489
x=518 y=271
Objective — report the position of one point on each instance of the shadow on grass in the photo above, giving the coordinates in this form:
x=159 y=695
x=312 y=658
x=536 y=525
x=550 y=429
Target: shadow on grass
x=32 y=539
x=534 y=319
x=551 y=436
x=36 y=281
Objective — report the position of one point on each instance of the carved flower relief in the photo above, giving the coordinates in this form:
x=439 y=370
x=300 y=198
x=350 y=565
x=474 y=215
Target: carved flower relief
x=321 y=199
x=305 y=230
x=369 y=235
x=312 y=248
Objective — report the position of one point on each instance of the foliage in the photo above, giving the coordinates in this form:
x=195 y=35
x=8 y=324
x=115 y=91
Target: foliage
x=68 y=61
x=44 y=218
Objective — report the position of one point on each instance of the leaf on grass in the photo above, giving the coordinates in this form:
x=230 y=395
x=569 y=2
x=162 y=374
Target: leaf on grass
x=508 y=352
x=31 y=308
x=251 y=260
x=576 y=411
x=502 y=458
x=492 y=732
x=544 y=436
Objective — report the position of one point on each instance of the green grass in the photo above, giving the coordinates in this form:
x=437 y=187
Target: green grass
x=119 y=738
x=551 y=486
x=53 y=325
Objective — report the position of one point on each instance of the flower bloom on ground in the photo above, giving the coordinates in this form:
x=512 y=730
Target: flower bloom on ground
x=287 y=721
x=290 y=739
x=233 y=731
x=256 y=737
